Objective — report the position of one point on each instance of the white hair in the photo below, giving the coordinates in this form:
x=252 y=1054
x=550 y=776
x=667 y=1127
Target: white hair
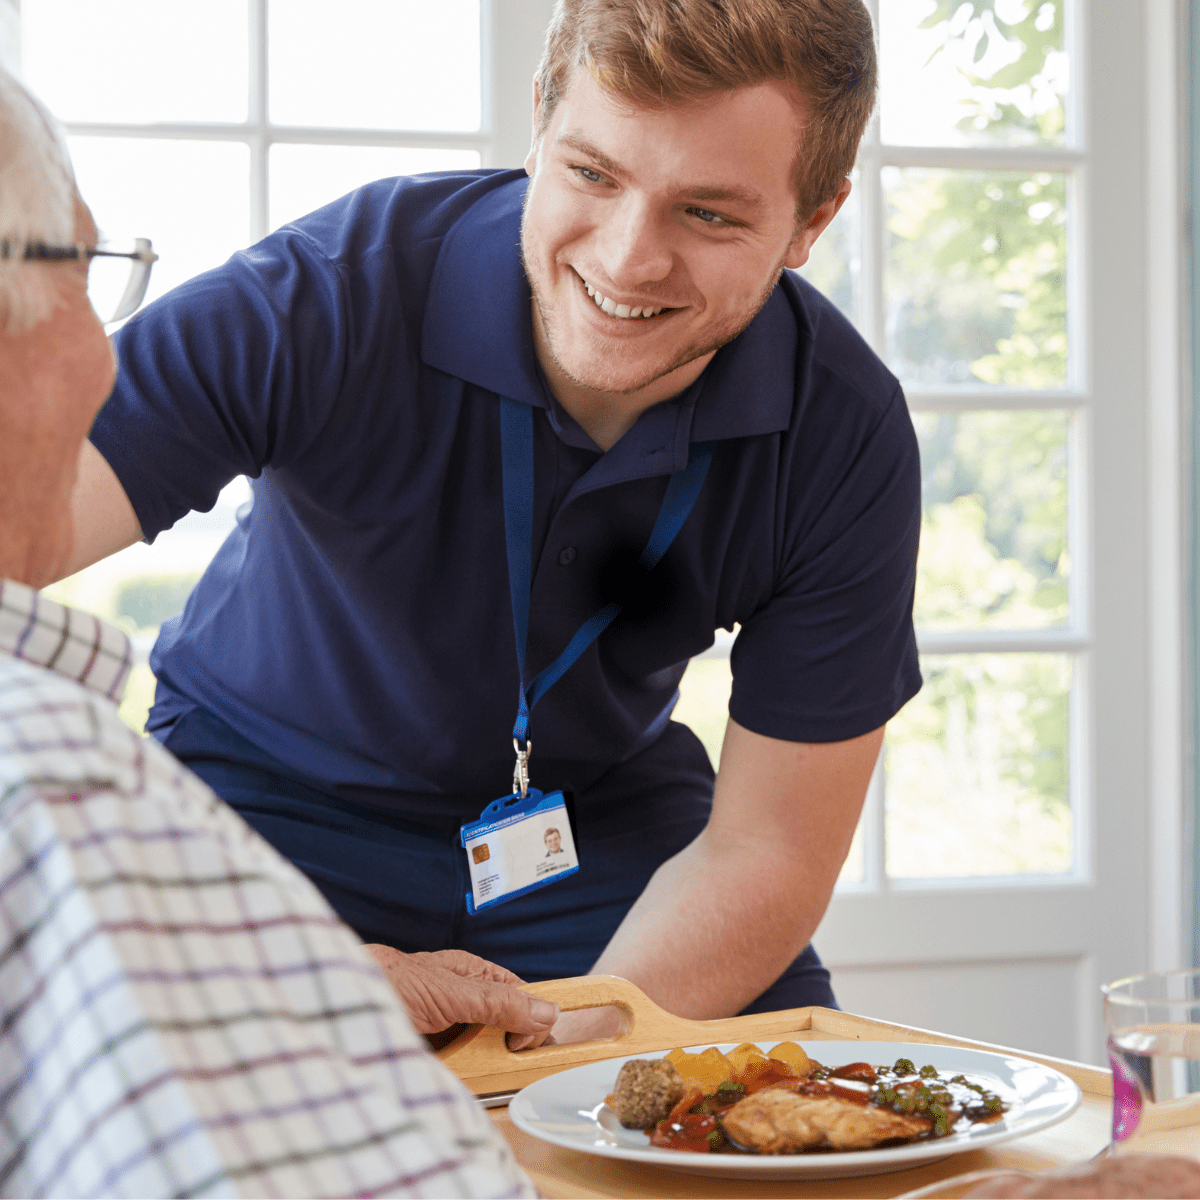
x=37 y=202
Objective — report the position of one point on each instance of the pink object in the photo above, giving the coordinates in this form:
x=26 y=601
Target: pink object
x=1127 y=1099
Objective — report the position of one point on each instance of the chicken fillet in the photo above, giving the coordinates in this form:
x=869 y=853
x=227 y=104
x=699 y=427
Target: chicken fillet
x=781 y=1122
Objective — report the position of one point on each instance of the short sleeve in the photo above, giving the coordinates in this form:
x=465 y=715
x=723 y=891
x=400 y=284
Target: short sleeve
x=233 y=371
x=832 y=654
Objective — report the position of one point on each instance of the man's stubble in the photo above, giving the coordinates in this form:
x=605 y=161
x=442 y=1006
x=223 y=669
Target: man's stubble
x=722 y=336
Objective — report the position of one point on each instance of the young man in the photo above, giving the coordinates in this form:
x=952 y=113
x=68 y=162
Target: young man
x=180 y=1011
x=346 y=673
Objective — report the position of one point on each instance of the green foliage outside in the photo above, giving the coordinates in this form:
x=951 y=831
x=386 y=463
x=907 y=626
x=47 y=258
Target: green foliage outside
x=148 y=600
x=976 y=277
x=1004 y=106
x=139 y=696
x=976 y=271
x=832 y=263
x=977 y=779
x=977 y=769
x=994 y=548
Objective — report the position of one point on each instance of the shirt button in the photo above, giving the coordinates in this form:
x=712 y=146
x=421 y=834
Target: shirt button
x=566 y=556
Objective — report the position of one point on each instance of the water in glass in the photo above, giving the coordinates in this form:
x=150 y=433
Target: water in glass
x=1154 y=1046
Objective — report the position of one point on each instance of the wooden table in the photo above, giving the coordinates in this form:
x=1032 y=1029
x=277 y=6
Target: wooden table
x=558 y=1172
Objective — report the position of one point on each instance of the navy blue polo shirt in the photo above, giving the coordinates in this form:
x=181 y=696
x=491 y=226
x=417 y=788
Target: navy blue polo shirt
x=356 y=625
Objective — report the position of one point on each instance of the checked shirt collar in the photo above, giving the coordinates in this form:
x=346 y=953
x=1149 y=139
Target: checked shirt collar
x=76 y=645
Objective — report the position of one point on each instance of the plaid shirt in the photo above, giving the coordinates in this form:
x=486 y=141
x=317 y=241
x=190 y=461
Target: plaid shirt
x=181 y=1014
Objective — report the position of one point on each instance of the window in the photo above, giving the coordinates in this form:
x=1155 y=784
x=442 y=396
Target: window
x=952 y=257
x=207 y=126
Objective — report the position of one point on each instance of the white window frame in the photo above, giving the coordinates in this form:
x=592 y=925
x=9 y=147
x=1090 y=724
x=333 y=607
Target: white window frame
x=510 y=48
x=1124 y=909
x=1074 y=398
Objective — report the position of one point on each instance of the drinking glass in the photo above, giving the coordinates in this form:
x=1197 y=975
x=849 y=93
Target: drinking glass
x=1153 y=1026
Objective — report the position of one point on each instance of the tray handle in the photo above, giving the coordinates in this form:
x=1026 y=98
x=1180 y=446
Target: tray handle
x=480 y=1057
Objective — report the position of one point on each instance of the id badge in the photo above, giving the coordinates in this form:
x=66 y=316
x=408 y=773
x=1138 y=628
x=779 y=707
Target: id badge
x=518 y=844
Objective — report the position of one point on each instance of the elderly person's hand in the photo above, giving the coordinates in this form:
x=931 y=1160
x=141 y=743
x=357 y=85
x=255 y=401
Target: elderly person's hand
x=1166 y=1176
x=446 y=987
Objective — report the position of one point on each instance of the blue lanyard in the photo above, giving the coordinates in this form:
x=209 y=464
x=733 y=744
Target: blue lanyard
x=516 y=449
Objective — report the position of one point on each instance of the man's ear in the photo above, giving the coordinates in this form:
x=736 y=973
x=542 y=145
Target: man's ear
x=531 y=157
x=815 y=226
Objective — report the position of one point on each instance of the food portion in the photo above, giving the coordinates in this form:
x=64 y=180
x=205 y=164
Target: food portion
x=780 y=1122
x=748 y=1102
x=646 y=1092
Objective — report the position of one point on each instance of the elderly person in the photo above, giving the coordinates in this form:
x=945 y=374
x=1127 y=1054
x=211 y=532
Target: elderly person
x=181 y=1013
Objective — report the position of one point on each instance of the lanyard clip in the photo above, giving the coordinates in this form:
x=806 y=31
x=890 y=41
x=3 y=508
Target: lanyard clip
x=521 y=770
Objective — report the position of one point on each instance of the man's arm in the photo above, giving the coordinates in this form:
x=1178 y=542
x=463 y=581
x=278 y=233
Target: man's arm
x=783 y=817
x=103 y=517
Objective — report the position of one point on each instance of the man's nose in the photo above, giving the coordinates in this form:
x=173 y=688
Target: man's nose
x=635 y=246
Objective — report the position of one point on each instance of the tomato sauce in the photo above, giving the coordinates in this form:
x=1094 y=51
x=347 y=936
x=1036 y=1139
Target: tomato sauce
x=691 y=1131
x=695 y=1122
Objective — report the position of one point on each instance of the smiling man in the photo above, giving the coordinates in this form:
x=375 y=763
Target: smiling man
x=636 y=280
x=346 y=674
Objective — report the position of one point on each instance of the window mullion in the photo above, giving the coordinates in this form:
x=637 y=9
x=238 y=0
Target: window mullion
x=516 y=30
x=983 y=158
x=983 y=399
x=871 y=276
x=258 y=117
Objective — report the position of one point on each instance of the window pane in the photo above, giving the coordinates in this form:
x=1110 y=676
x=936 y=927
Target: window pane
x=976 y=277
x=137 y=61
x=834 y=267
x=976 y=769
x=704 y=707
x=306 y=177
x=375 y=64
x=972 y=72
x=704 y=702
x=139 y=587
x=854 y=868
x=994 y=528
x=146 y=187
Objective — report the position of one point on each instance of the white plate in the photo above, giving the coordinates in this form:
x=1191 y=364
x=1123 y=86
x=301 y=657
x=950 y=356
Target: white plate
x=568 y=1110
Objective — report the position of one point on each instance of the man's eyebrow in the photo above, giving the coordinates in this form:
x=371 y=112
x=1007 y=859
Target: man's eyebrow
x=717 y=195
x=747 y=196
x=593 y=152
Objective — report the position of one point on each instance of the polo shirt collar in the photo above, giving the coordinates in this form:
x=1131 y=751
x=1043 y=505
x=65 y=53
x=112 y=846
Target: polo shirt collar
x=478 y=328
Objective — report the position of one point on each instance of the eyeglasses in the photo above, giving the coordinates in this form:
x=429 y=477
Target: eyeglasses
x=115 y=288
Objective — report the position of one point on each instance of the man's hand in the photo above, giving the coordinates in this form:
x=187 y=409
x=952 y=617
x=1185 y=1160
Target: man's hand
x=447 y=987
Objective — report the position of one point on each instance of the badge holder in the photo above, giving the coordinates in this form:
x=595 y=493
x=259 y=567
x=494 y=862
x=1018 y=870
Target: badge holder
x=525 y=841
x=519 y=844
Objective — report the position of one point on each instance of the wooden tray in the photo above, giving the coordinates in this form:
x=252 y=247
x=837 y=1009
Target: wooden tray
x=486 y=1065
x=481 y=1059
